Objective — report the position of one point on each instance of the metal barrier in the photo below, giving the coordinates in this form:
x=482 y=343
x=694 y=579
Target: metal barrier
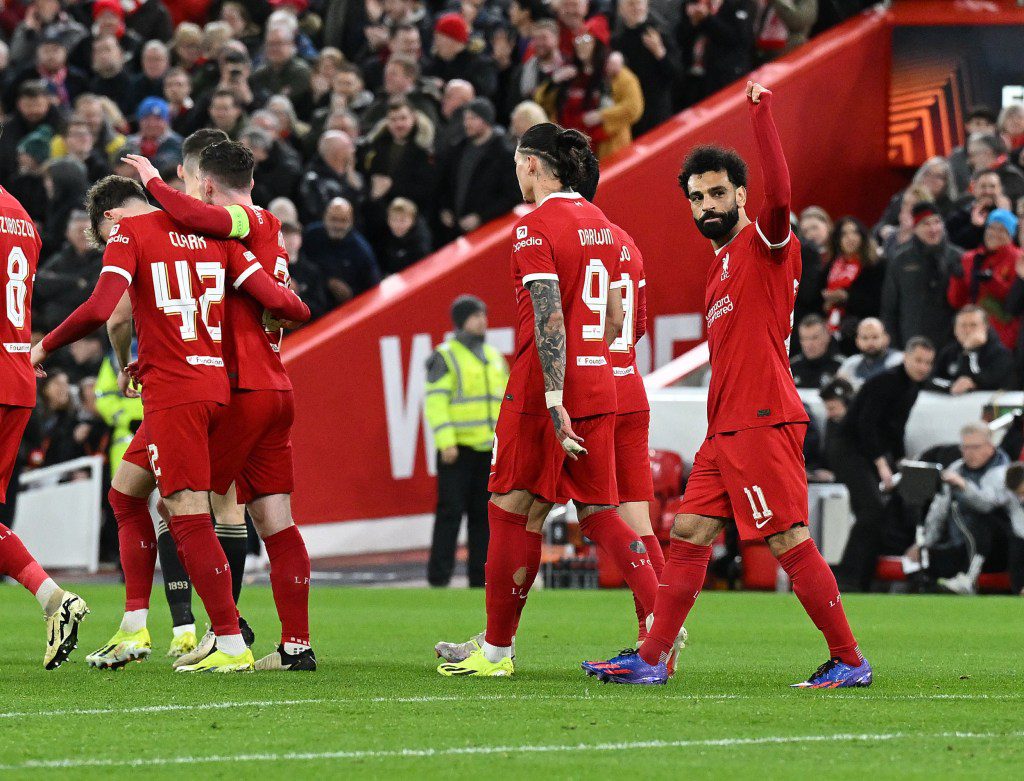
x=59 y=513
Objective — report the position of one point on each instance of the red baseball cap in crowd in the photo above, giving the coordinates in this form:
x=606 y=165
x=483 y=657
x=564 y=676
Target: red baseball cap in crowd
x=453 y=26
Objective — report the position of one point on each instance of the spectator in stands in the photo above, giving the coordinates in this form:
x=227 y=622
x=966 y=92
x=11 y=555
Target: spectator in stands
x=401 y=80
x=869 y=444
x=892 y=237
x=987 y=274
x=782 y=25
x=32 y=110
x=44 y=18
x=968 y=523
x=980 y=120
x=398 y=163
x=853 y=278
x=935 y=178
x=914 y=300
x=65 y=280
x=278 y=167
x=478 y=181
x=27 y=186
x=405 y=41
x=63 y=82
x=151 y=20
x=524 y=116
x=966 y=223
x=80 y=143
x=543 y=60
x=96 y=112
x=1010 y=125
x=816 y=229
x=451 y=129
x=156 y=62
x=65 y=433
x=836 y=396
x=453 y=59
x=818 y=359
x=621 y=111
x=324 y=70
x=178 y=95
x=716 y=41
x=874 y=354
x=645 y=41
x=572 y=18
x=974 y=359
x=407 y=238
x=66 y=183
x=331 y=175
x=808 y=294
x=283 y=73
x=989 y=153
x=225 y=113
x=343 y=255
x=155 y=138
x=110 y=78
x=306 y=279
x=108 y=19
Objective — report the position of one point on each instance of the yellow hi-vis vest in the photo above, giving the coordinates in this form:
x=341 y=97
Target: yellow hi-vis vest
x=462 y=404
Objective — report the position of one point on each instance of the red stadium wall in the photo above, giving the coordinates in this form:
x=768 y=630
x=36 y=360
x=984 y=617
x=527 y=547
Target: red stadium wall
x=361 y=448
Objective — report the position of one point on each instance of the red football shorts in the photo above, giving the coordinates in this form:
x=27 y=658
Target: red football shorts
x=527 y=456
x=12 y=426
x=179 y=445
x=756 y=477
x=138 y=449
x=632 y=457
x=251 y=445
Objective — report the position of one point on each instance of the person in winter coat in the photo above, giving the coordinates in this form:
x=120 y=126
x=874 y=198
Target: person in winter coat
x=854 y=278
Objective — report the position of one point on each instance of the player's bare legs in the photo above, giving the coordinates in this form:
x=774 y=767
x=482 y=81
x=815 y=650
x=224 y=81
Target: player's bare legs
x=192 y=529
x=289 y=580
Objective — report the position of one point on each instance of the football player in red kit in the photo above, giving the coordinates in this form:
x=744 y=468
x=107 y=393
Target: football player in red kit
x=181 y=363
x=563 y=257
x=750 y=469
x=251 y=444
x=19 y=248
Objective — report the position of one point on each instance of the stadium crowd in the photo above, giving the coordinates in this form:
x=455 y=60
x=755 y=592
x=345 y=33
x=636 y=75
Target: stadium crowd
x=383 y=129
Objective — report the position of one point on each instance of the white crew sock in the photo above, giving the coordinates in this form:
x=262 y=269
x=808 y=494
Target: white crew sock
x=232 y=645
x=134 y=620
x=294 y=648
x=495 y=653
x=180 y=630
x=46 y=590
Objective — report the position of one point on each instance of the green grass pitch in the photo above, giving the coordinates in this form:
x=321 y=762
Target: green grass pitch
x=946 y=702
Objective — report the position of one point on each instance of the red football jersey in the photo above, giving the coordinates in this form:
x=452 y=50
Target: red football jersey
x=261 y=368
x=749 y=302
x=631 y=283
x=570 y=240
x=19 y=259
x=177 y=288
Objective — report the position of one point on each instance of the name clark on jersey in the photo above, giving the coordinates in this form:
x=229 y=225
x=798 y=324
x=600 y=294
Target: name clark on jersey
x=722 y=306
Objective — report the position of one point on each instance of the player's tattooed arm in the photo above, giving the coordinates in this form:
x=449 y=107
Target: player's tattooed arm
x=549 y=329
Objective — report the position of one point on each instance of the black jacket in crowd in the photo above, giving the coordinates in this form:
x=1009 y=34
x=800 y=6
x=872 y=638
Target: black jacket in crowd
x=990 y=366
x=399 y=252
x=914 y=299
x=876 y=421
x=318 y=185
x=277 y=176
x=728 y=48
x=15 y=129
x=657 y=77
x=960 y=229
x=478 y=69
x=493 y=189
x=63 y=283
x=310 y=285
x=815 y=373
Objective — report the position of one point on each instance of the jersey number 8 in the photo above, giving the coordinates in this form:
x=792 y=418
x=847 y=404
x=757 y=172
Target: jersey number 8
x=185 y=305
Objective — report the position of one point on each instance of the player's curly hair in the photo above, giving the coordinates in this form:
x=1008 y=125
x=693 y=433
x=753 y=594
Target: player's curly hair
x=706 y=158
x=230 y=163
x=110 y=192
x=566 y=152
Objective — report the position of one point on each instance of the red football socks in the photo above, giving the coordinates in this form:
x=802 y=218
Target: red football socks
x=657 y=557
x=137 y=540
x=534 y=545
x=614 y=537
x=207 y=568
x=815 y=586
x=506 y=574
x=18 y=563
x=681 y=582
x=289 y=580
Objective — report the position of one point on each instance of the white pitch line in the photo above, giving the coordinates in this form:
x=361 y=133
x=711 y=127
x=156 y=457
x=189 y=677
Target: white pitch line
x=72 y=763
x=691 y=698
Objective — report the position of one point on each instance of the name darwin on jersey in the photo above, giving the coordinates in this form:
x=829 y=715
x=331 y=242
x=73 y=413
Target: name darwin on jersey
x=589 y=237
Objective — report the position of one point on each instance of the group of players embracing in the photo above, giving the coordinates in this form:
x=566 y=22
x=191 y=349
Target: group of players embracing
x=581 y=291
x=205 y=283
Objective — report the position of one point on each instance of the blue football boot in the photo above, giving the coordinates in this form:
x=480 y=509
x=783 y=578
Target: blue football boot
x=835 y=674
x=628 y=668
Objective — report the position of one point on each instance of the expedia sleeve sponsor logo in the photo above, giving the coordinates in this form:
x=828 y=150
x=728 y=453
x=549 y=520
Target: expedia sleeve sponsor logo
x=529 y=241
x=116 y=237
x=722 y=306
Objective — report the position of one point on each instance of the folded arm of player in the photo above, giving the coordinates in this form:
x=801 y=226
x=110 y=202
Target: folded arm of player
x=549 y=332
x=773 y=219
x=276 y=298
x=86 y=319
x=615 y=313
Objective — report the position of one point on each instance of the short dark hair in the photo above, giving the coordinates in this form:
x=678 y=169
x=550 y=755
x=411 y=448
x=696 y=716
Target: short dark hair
x=398 y=103
x=230 y=163
x=707 y=158
x=970 y=309
x=194 y=145
x=919 y=342
x=33 y=88
x=224 y=92
x=408 y=64
x=981 y=112
x=1015 y=475
x=110 y=192
x=993 y=142
x=837 y=389
x=812 y=320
